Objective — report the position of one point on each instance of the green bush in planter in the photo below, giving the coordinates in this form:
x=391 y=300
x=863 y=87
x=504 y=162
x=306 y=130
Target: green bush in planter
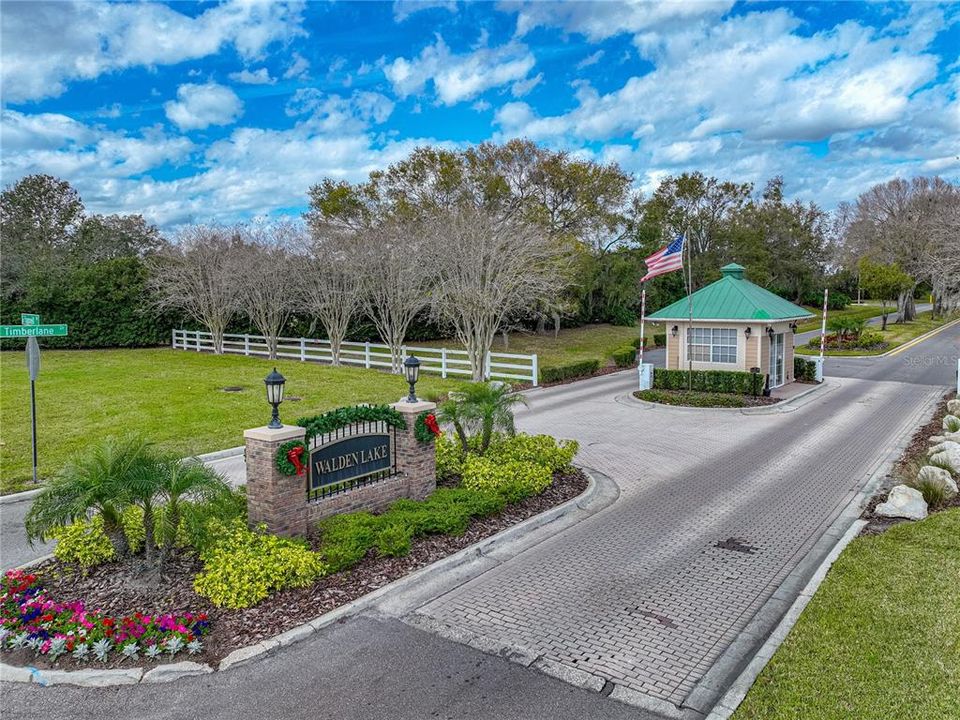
x=724 y=381
x=539 y=449
x=804 y=370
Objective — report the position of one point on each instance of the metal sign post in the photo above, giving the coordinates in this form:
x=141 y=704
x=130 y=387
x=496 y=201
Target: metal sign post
x=33 y=367
x=31 y=329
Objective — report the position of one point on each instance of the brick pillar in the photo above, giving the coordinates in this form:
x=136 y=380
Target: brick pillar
x=273 y=498
x=417 y=460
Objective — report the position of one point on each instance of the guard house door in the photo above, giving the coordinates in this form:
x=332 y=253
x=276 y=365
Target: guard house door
x=776 y=360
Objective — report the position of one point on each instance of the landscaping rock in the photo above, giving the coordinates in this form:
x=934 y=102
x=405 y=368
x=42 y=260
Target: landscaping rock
x=938 y=475
x=946 y=437
x=953 y=406
x=175 y=671
x=947 y=456
x=951 y=423
x=903 y=502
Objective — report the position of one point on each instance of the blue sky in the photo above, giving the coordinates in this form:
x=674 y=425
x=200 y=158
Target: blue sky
x=222 y=111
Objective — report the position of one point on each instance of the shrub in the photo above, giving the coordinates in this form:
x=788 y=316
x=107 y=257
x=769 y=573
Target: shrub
x=691 y=399
x=449 y=457
x=660 y=340
x=347 y=538
x=393 y=540
x=83 y=543
x=245 y=566
x=200 y=521
x=539 y=449
x=559 y=373
x=513 y=480
x=619 y=315
x=870 y=340
x=625 y=357
x=718 y=381
x=803 y=369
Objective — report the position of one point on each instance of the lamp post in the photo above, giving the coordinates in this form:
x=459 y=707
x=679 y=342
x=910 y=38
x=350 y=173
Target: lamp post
x=411 y=368
x=274 y=382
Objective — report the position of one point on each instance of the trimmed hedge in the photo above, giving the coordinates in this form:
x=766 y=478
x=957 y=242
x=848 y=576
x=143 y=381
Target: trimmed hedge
x=717 y=381
x=804 y=370
x=691 y=399
x=659 y=340
x=558 y=373
x=625 y=357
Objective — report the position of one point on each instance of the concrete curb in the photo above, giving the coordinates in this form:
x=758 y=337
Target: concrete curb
x=770 y=626
x=205 y=457
x=892 y=351
x=728 y=704
x=780 y=407
x=463 y=564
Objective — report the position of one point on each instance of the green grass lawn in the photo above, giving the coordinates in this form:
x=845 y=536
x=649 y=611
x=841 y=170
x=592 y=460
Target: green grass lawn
x=171 y=396
x=860 y=312
x=895 y=335
x=880 y=639
x=573 y=344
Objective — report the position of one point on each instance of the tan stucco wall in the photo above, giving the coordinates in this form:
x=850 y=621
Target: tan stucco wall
x=673 y=350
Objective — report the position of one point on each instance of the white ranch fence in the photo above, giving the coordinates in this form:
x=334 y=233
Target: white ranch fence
x=443 y=361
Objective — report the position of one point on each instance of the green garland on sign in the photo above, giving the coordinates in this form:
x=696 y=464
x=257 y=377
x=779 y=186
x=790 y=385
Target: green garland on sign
x=341 y=417
x=422 y=430
x=283 y=463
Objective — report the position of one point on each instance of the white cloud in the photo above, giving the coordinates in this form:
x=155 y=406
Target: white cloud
x=47 y=45
x=523 y=87
x=200 y=106
x=402 y=9
x=601 y=20
x=481 y=106
x=59 y=145
x=261 y=76
x=298 y=68
x=457 y=78
x=591 y=59
x=336 y=114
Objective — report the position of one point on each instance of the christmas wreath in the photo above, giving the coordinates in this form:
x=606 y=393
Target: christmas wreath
x=290 y=460
x=426 y=427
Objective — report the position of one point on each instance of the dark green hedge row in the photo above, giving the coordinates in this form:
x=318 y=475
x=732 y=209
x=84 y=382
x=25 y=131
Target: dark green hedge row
x=691 y=399
x=625 y=357
x=722 y=381
x=557 y=373
x=659 y=340
x=803 y=369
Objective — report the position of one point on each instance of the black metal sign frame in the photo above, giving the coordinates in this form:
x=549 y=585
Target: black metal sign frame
x=357 y=455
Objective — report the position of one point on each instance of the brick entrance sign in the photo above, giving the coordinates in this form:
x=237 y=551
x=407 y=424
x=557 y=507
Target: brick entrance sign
x=363 y=466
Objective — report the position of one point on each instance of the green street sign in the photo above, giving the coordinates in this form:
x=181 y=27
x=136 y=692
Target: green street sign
x=29 y=319
x=22 y=331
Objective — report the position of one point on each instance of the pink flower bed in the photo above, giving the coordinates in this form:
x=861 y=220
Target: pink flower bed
x=29 y=619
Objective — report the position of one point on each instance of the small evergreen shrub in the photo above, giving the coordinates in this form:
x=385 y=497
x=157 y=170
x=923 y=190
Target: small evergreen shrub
x=514 y=480
x=245 y=566
x=660 y=340
x=691 y=399
x=625 y=357
x=558 y=373
x=539 y=449
x=804 y=370
x=83 y=543
x=449 y=457
x=393 y=540
x=717 y=381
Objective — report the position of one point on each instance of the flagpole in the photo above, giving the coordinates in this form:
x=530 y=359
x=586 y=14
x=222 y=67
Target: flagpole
x=643 y=317
x=686 y=242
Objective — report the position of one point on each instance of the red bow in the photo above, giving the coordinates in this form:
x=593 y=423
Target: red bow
x=431 y=422
x=294 y=457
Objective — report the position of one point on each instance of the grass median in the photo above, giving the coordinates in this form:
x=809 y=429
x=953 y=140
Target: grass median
x=173 y=397
x=895 y=335
x=881 y=638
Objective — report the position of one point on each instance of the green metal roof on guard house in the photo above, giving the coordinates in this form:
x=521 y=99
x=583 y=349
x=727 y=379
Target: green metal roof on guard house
x=732 y=298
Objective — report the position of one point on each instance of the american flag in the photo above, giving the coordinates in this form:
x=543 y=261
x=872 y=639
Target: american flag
x=664 y=260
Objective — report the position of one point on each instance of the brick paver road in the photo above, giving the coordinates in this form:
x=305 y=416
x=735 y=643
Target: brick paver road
x=716 y=508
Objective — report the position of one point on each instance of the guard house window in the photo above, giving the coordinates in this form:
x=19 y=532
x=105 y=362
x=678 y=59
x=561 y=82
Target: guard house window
x=717 y=345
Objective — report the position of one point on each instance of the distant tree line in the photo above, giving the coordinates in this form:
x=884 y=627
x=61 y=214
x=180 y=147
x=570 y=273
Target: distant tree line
x=492 y=239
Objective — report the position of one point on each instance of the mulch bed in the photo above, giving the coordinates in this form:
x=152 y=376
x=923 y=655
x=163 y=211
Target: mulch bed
x=117 y=589
x=917 y=448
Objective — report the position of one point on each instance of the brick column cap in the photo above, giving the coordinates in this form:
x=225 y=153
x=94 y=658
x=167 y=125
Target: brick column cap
x=414 y=408
x=287 y=432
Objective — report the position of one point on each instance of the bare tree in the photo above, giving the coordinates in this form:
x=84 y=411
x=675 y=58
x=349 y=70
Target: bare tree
x=331 y=286
x=489 y=268
x=198 y=275
x=269 y=278
x=393 y=260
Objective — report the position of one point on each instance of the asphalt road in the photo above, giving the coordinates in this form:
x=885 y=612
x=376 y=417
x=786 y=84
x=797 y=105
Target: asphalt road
x=373 y=667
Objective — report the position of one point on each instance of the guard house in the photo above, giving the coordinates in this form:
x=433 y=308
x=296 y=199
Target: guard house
x=736 y=326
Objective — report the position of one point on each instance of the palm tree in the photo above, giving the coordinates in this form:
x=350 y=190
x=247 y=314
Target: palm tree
x=178 y=480
x=483 y=407
x=98 y=481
